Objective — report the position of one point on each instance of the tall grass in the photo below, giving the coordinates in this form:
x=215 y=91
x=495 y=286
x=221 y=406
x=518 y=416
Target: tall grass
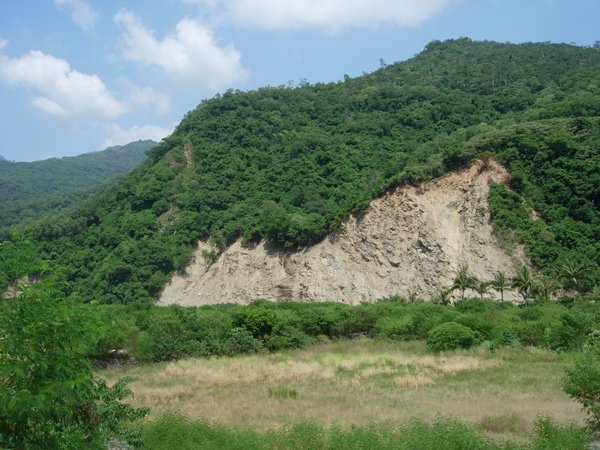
x=175 y=431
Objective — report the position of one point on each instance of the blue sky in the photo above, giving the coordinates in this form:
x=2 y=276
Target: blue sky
x=79 y=75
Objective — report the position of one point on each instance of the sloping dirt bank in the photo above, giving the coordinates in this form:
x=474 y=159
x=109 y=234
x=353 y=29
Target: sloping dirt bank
x=412 y=240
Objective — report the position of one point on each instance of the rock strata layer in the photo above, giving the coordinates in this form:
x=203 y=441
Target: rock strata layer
x=412 y=240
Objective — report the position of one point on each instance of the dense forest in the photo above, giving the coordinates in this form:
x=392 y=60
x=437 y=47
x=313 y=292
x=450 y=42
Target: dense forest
x=290 y=164
x=32 y=189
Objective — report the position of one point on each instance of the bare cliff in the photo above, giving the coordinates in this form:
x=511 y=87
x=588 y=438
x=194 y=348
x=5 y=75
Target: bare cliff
x=412 y=240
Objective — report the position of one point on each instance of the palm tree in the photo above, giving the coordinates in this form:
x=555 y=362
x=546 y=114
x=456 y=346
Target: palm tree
x=482 y=288
x=443 y=296
x=463 y=280
x=500 y=284
x=523 y=282
x=573 y=274
x=545 y=286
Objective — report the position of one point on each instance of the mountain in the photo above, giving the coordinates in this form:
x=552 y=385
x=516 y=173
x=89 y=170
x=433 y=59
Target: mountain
x=288 y=166
x=31 y=189
x=2 y=158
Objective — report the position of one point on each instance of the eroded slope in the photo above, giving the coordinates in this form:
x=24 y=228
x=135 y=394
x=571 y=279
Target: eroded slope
x=412 y=240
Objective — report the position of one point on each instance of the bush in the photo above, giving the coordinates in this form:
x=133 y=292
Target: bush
x=286 y=337
x=49 y=395
x=583 y=384
x=505 y=338
x=478 y=323
x=548 y=435
x=397 y=328
x=239 y=341
x=450 y=336
x=258 y=320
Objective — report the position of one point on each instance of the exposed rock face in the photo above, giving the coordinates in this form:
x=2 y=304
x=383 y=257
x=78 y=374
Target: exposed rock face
x=412 y=240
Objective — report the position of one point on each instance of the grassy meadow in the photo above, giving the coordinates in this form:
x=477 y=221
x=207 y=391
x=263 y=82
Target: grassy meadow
x=358 y=383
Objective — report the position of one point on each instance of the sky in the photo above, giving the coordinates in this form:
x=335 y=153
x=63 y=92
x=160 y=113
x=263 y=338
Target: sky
x=81 y=75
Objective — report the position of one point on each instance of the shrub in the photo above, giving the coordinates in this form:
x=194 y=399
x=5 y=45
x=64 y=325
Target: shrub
x=478 y=323
x=582 y=382
x=358 y=320
x=572 y=331
x=397 y=328
x=505 y=338
x=548 y=435
x=49 y=395
x=450 y=336
x=239 y=341
x=258 y=320
x=316 y=320
x=286 y=337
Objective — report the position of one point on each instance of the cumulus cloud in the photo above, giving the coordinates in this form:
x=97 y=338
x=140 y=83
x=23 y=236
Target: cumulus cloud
x=84 y=16
x=146 y=97
x=120 y=136
x=60 y=90
x=331 y=15
x=190 y=55
x=3 y=43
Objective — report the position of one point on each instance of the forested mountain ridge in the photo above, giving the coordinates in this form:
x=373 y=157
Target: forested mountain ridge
x=30 y=189
x=290 y=164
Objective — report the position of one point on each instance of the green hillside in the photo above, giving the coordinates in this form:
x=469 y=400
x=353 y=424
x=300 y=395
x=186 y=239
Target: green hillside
x=31 y=189
x=290 y=164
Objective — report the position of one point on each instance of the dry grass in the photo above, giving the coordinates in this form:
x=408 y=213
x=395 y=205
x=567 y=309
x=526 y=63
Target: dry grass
x=361 y=382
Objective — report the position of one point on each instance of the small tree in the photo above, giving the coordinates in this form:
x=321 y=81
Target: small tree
x=463 y=280
x=443 y=297
x=582 y=382
x=49 y=396
x=544 y=287
x=523 y=282
x=482 y=288
x=573 y=274
x=500 y=284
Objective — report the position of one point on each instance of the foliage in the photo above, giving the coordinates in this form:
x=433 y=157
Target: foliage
x=32 y=189
x=174 y=430
x=500 y=284
x=553 y=205
x=288 y=165
x=397 y=328
x=582 y=382
x=159 y=334
x=49 y=397
x=464 y=280
x=523 y=282
x=450 y=336
x=19 y=258
x=549 y=435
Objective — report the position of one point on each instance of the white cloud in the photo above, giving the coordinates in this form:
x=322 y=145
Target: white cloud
x=190 y=54
x=120 y=136
x=84 y=16
x=3 y=43
x=145 y=97
x=61 y=90
x=331 y=15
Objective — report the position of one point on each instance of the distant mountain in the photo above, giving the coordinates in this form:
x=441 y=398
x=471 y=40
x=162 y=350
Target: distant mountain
x=30 y=189
x=2 y=158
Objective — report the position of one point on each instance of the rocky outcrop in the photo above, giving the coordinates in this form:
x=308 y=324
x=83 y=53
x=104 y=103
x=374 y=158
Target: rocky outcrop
x=412 y=240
